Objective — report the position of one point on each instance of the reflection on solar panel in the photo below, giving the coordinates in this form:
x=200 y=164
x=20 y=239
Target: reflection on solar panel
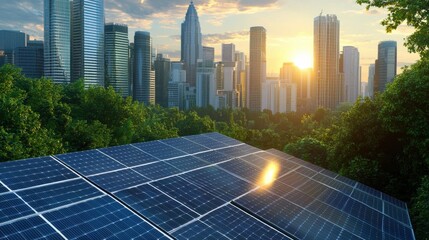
x=205 y=186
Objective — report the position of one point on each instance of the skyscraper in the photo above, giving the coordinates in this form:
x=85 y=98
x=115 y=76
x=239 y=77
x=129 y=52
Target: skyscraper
x=386 y=67
x=116 y=57
x=162 y=77
x=9 y=40
x=88 y=41
x=371 y=77
x=326 y=60
x=351 y=67
x=258 y=65
x=144 y=75
x=191 y=44
x=241 y=78
x=206 y=81
x=30 y=59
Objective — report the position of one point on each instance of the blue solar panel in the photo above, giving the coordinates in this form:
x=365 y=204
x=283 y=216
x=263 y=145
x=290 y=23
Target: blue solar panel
x=393 y=201
x=397 y=229
x=342 y=187
x=213 y=157
x=333 y=198
x=3 y=189
x=247 y=149
x=236 y=224
x=129 y=155
x=198 y=231
x=313 y=188
x=400 y=214
x=243 y=169
x=119 y=180
x=222 y=138
x=219 y=182
x=159 y=150
x=345 y=180
x=191 y=195
x=157 y=170
x=101 y=218
x=232 y=152
x=32 y=172
x=157 y=207
x=187 y=163
x=306 y=172
x=90 y=162
x=262 y=161
x=184 y=145
x=368 y=199
x=329 y=213
x=362 y=229
x=206 y=141
x=368 y=190
x=12 y=207
x=294 y=179
x=365 y=213
x=299 y=198
x=59 y=194
x=30 y=228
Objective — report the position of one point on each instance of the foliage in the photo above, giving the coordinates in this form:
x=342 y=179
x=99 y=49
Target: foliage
x=420 y=210
x=413 y=13
x=309 y=149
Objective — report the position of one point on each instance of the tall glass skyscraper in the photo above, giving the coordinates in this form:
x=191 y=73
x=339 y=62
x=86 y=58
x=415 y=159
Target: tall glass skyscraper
x=326 y=61
x=116 y=57
x=30 y=59
x=258 y=66
x=352 y=78
x=162 y=77
x=192 y=48
x=88 y=41
x=386 y=65
x=57 y=40
x=144 y=76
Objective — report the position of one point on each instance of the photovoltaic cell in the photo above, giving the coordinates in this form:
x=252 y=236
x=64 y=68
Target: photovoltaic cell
x=159 y=150
x=157 y=170
x=206 y=141
x=362 y=229
x=307 y=225
x=30 y=228
x=101 y=218
x=313 y=188
x=368 y=190
x=232 y=152
x=294 y=179
x=333 y=198
x=342 y=187
x=187 y=163
x=396 y=213
x=198 y=231
x=393 y=201
x=3 y=189
x=115 y=181
x=156 y=206
x=129 y=155
x=191 y=195
x=218 y=182
x=12 y=207
x=394 y=228
x=184 y=145
x=243 y=169
x=32 y=172
x=222 y=138
x=364 y=213
x=212 y=157
x=90 y=162
x=59 y=194
x=235 y=224
x=368 y=199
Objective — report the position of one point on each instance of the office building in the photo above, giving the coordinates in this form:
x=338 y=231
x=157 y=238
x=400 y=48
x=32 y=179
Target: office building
x=162 y=77
x=326 y=61
x=351 y=70
x=30 y=59
x=144 y=75
x=371 y=78
x=257 y=66
x=9 y=40
x=88 y=41
x=116 y=57
x=206 y=79
x=386 y=65
x=241 y=78
x=191 y=44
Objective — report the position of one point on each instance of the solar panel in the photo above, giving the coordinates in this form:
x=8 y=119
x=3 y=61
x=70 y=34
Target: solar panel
x=32 y=172
x=129 y=155
x=29 y=228
x=191 y=195
x=101 y=218
x=184 y=145
x=157 y=207
x=205 y=186
x=115 y=181
x=90 y=162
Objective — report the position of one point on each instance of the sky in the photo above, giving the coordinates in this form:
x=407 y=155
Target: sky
x=289 y=25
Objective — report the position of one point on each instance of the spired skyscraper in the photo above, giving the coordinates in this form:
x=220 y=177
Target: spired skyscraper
x=116 y=57
x=258 y=66
x=191 y=44
x=144 y=75
x=326 y=61
x=385 y=67
x=88 y=41
x=57 y=40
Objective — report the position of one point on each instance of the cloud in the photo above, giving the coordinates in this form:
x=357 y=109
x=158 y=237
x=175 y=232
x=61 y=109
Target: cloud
x=218 y=38
x=367 y=12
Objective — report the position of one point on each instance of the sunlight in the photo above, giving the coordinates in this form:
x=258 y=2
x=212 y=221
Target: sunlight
x=269 y=174
x=303 y=61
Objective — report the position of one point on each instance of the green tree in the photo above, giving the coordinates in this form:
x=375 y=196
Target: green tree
x=81 y=135
x=413 y=13
x=194 y=124
x=420 y=210
x=309 y=149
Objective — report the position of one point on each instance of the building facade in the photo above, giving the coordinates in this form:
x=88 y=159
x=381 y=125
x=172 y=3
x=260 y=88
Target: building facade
x=116 y=57
x=9 y=41
x=88 y=41
x=257 y=66
x=162 y=77
x=386 y=65
x=144 y=75
x=352 y=78
x=326 y=61
x=30 y=59
x=371 y=78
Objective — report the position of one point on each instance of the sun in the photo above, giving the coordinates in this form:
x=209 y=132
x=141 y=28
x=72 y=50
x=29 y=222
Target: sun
x=303 y=61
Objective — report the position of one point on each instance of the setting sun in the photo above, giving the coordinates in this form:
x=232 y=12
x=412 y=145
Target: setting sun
x=303 y=61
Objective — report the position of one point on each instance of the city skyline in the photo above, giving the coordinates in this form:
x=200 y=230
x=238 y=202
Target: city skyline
x=228 y=22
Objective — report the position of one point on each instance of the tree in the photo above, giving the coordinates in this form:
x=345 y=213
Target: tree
x=414 y=13
x=420 y=210
x=309 y=149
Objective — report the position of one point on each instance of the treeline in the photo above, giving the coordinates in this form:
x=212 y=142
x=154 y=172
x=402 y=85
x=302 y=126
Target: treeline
x=382 y=142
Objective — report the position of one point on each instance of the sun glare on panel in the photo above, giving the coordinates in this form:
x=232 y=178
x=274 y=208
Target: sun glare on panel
x=269 y=174
x=303 y=61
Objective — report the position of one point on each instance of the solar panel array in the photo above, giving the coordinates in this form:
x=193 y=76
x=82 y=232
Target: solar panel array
x=205 y=186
